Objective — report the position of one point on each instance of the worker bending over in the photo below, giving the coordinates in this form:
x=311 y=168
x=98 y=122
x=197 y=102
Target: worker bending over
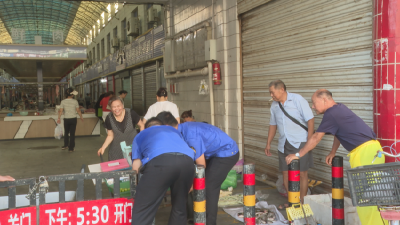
x=215 y=150
x=167 y=163
x=354 y=135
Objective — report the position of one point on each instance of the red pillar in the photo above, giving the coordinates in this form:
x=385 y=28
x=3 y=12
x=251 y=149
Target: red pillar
x=386 y=63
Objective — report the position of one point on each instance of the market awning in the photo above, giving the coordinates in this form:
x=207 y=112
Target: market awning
x=20 y=60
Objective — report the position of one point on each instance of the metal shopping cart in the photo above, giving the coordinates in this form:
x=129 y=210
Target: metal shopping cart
x=377 y=185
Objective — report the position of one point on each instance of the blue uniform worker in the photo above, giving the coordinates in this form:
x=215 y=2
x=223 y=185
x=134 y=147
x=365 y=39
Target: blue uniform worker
x=167 y=162
x=214 y=149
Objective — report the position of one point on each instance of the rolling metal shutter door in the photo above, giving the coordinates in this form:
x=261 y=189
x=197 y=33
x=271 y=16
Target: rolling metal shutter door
x=246 y=5
x=127 y=87
x=118 y=85
x=137 y=91
x=110 y=83
x=309 y=45
x=95 y=89
x=151 y=85
x=162 y=80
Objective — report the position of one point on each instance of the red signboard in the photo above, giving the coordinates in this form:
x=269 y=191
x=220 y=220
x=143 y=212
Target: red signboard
x=109 y=211
x=21 y=216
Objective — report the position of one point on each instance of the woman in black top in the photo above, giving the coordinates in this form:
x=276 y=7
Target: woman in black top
x=120 y=125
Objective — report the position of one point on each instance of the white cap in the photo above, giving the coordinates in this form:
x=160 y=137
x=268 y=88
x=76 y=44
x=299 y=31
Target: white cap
x=74 y=93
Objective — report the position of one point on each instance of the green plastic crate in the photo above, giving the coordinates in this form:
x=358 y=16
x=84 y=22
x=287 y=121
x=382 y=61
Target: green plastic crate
x=124 y=188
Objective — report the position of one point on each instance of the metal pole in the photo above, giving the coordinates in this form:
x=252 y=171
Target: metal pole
x=211 y=88
x=39 y=71
x=199 y=196
x=249 y=191
x=337 y=191
x=294 y=182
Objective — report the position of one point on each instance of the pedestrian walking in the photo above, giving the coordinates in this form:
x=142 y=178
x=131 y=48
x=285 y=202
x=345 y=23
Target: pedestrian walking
x=70 y=108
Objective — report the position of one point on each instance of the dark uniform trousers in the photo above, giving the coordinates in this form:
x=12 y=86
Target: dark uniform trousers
x=217 y=168
x=69 y=132
x=172 y=170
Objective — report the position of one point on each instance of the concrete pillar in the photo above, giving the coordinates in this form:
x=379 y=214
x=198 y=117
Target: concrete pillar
x=112 y=10
x=386 y=63
x=39 y=71
x=106 y=18
x=96 y=29
x=142 y=14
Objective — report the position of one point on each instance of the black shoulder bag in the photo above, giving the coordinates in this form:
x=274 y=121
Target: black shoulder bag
x=291 y=118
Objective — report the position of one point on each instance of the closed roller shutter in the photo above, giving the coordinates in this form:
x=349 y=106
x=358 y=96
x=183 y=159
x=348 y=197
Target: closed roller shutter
x=110 y=83
x=118 y=85
x=162 y=80
x=309 y=45
x=151 y=85
x=246 y=5
x=97 y=91
x=127 y=87
x=137 y=91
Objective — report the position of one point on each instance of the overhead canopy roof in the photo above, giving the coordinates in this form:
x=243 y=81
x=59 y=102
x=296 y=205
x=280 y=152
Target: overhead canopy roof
x=53 y=70
x=20 y=60
x=42 y=17
x=130 y=1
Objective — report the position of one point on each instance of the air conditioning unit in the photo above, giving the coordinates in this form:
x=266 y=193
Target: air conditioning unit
x=115 y=42
x=152 y=15
x=133 y=26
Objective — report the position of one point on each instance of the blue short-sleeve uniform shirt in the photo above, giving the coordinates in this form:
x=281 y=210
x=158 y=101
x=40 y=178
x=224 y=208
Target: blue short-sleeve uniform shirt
x=208 y=140
x=158 y=140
